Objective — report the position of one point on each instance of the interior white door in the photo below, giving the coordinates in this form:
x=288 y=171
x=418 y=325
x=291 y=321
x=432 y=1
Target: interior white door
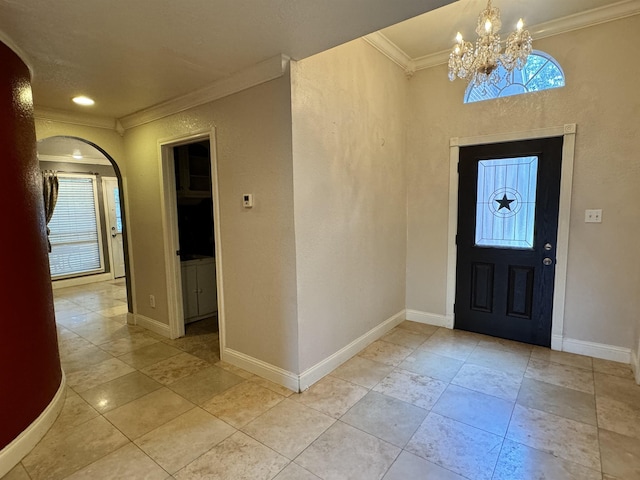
x=114 y=224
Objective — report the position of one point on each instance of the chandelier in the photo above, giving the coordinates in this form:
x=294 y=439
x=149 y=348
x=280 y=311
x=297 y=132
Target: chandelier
x=480 y=65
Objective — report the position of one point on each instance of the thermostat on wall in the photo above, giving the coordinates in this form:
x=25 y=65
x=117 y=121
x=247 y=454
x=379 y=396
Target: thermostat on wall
x=247 y=200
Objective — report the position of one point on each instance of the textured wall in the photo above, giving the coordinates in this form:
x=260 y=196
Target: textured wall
x=254 y=156
x=30 y=374
x=349 y=188
x=601 y=96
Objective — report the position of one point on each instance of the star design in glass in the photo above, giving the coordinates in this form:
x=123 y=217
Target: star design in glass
x=504 y=203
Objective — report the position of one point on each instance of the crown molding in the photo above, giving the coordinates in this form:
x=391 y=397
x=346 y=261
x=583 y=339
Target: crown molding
x=589 y=18
x=259 y=73
x=381 y=42
x=74 y=118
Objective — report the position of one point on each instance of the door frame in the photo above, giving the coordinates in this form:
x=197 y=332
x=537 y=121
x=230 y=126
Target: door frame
x=168 y=206
x=568 y=132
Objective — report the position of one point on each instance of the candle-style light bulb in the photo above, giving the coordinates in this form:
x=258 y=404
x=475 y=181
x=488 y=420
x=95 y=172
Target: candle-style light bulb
x=520 y=25
x=459 y=38
x=487 y=26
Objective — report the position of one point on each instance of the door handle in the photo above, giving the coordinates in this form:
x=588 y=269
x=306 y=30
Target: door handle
x=547 y=261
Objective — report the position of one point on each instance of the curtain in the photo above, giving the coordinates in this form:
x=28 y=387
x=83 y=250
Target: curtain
x=50 y=191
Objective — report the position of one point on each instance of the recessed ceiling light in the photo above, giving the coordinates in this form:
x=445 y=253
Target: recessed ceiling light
x=82 y=100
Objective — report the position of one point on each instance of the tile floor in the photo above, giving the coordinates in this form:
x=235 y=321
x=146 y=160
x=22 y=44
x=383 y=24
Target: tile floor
x=421 y=403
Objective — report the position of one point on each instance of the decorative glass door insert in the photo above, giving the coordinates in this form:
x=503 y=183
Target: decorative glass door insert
x=506 y=202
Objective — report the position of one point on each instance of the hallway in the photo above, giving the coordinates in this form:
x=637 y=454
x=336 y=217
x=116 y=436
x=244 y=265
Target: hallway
x=422 y=402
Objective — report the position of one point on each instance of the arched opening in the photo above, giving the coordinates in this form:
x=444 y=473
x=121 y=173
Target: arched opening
x=88 y=232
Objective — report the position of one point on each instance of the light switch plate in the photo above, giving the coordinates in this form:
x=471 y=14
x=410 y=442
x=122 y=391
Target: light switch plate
x=593 y=216
x=247 y=200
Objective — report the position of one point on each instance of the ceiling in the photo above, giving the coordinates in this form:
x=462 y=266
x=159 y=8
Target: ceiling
x=62 y=149
x=130 y=55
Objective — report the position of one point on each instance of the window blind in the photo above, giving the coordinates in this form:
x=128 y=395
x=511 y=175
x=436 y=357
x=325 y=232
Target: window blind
x=75 y=235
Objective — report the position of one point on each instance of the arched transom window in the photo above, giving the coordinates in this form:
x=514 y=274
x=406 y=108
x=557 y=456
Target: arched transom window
x=541 y=72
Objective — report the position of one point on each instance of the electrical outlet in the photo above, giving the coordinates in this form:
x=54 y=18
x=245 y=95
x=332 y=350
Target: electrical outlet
x=152 y=301
x=593 y=216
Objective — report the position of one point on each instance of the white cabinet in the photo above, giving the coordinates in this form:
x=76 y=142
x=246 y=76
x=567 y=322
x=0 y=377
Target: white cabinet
x=199 y=294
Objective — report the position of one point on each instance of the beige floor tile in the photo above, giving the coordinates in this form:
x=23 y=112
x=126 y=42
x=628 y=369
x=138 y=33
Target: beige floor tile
x=145 y=356
x=82 y=358
x=147 y=413
x=409 y=466
x=128 y=344
x=561 y=375
x=619 y=417
x=620 y=455
x=362 y=371
x=60 y=454
x=489 y=381
x=112 y=311
x=564 y=438
x=183 y=439
x=19 y=473
x=293 y=472
x=102 y=331
x=242 y=403
x=175 y=367
x=204 y=384
x=385 y=352
x=404 y=337
x=78 y=320
x=331 y=396
x=613 y=368
x=387 y=418
x=563 y=358
x=561 y=401
x=412 y=388
x=621 y=389
x=274 y=387
x=505 y=345
x=518 y=461
x=122 y=390
x=510 y=362
x=417 y=327
x=70 y=343
x=463 y=449
x=237 y=370
x=94 y=375
x=208 y=354
x=127 y=462
x=479 y=410
x=288 y=427
x=447 y=344
x=354 y=455
x=431 y=365
x=75 y=411
x=239 y=457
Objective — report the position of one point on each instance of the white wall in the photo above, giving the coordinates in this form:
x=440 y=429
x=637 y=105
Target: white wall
x=349 y=188
x=601 y=96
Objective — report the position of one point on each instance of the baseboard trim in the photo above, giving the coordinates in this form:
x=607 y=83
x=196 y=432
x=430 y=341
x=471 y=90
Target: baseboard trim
x=263 y=369
x=326 y=366
x=556 y=342
x=430 y=318
x=597 y=350
x=151 y=324
x=13 y=453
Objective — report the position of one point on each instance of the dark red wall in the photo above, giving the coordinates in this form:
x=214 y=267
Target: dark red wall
x=30 y=371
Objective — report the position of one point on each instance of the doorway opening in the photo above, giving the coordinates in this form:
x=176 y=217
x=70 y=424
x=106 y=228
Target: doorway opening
x=88 y=226
x=194 y=210
x=191 y=237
